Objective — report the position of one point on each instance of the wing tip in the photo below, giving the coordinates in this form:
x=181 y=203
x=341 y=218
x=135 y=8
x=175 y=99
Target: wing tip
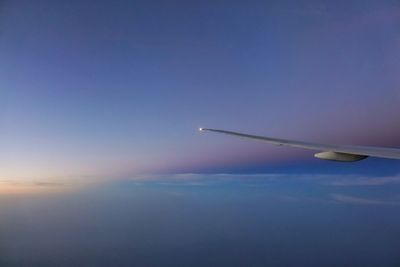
x=201 y=129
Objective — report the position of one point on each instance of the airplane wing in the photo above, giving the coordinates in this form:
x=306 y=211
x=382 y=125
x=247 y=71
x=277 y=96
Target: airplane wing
x=328 y=152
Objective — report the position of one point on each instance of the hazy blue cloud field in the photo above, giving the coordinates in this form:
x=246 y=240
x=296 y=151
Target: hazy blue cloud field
x=207 y=220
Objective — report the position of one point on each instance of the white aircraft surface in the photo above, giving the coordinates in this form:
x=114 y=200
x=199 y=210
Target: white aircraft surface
x=346 y=153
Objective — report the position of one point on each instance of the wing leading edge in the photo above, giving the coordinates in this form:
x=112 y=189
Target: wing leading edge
x=328 y=151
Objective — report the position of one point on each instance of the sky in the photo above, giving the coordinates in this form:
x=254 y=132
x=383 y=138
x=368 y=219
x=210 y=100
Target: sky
x=116 y=89
x=102 y=163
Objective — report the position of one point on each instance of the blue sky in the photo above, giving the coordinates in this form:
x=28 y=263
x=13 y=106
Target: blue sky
x=116 y=89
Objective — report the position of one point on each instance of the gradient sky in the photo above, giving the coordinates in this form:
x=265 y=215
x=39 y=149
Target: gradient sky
x=113 y=89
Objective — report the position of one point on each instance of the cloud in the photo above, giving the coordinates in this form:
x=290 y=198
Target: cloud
x=363 y=181
x=49 y=184
x=361 y=201
x=33 y=183
x=209 y=176
x=197 y=179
